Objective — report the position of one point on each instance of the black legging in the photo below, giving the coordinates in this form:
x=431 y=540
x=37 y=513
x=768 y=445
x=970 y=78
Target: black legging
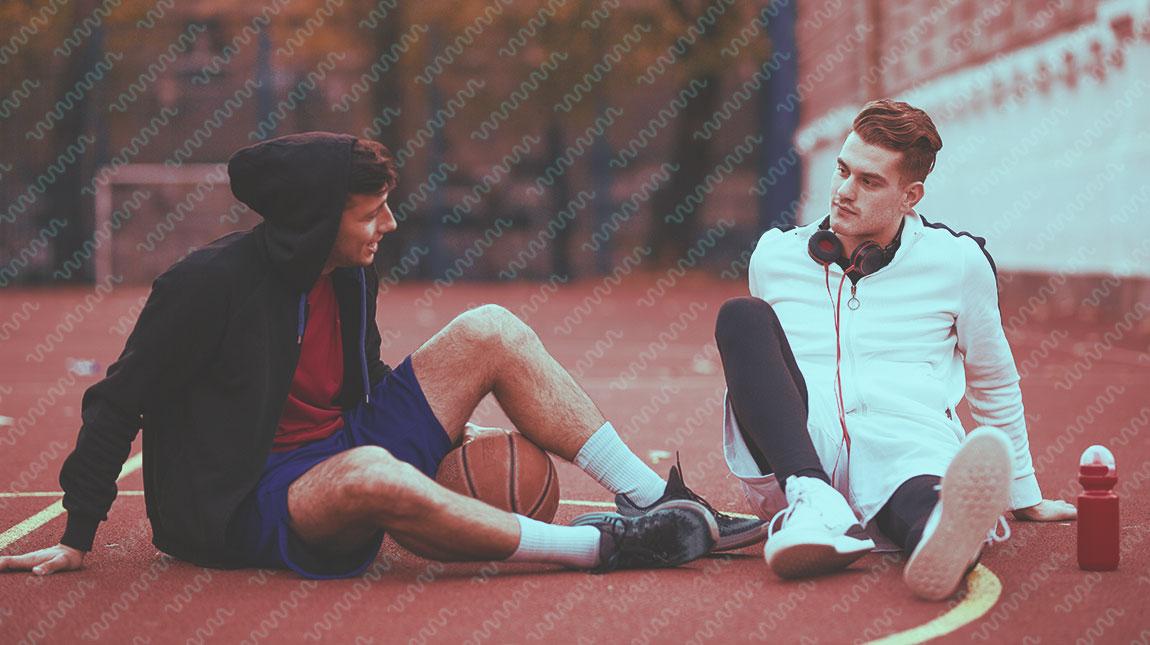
x=769 y=398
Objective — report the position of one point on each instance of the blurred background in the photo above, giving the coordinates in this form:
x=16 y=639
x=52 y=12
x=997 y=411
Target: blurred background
x=566 y=140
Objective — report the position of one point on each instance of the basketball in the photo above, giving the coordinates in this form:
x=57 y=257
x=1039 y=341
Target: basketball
x=505 y=470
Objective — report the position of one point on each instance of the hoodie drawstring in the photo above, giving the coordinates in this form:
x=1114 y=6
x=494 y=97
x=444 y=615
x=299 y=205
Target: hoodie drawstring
x=363 y=334
x=302 y=318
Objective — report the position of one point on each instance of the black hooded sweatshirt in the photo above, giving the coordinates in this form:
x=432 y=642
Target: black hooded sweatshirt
x=207 y=369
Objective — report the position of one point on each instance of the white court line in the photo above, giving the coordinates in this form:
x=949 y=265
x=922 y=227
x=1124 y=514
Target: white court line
x=58 y=493
x=611 y=505
x=57 y=508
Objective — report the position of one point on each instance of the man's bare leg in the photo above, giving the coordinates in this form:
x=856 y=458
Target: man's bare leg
x=489 y=350
x=340 y=503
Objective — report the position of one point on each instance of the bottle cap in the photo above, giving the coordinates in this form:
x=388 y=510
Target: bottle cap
x=1097 y=455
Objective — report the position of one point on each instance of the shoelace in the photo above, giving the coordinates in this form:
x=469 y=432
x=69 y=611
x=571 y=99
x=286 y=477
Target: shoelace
x=993 y=536
x=785 y=514
x=693 y=496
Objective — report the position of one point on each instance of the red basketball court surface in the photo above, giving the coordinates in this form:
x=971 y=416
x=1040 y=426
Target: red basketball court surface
x=649 y=361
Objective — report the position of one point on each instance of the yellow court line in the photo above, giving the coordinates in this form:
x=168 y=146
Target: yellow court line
x=982 y=591
x=55 y=509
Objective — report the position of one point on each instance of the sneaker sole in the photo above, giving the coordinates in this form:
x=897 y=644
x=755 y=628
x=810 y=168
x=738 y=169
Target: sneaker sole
x=712 y=525
x=975 y=492
x=705 y=528
x=802 y=554
x=742 y=539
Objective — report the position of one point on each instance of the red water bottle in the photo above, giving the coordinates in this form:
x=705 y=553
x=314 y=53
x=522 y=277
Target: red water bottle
x=1097 y=511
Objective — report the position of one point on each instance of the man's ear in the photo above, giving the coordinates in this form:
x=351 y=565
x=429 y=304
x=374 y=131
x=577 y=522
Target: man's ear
x=912 y=194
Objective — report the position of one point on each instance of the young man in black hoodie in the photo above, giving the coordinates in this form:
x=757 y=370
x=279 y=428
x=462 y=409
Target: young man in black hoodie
x=275 y=437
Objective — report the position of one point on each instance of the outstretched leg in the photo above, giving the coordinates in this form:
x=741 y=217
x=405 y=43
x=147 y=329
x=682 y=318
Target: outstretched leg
x=338 y=506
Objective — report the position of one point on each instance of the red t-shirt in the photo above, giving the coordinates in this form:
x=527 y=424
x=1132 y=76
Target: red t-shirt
x=311 y=412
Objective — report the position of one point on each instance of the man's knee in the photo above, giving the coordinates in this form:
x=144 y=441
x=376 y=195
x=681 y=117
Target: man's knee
x=375 y=482
x=739 y=315
x=492 y=327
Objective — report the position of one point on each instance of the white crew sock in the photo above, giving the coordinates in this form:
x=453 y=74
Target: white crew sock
x=611 y=463
x=573 y=546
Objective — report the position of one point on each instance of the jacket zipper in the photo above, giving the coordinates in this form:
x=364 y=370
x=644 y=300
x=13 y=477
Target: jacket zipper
x=301 y=319
x=851 y=335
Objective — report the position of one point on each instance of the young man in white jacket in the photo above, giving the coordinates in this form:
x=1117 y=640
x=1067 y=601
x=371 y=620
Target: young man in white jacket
x=844 y=369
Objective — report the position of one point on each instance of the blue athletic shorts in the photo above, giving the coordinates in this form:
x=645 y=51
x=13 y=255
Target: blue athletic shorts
x=398 y=418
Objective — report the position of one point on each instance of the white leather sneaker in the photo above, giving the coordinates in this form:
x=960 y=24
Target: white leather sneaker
x=817 y=532
x=975 y=493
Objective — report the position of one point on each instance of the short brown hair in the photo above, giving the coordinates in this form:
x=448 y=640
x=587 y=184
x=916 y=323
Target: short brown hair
x=372 y=168
x=898 y=126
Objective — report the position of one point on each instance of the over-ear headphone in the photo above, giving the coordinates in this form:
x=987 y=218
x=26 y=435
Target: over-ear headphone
x=826 y=247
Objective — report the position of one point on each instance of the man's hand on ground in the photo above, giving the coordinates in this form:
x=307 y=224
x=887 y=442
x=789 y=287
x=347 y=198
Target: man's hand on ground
x=45 y=561
x=1048 y=510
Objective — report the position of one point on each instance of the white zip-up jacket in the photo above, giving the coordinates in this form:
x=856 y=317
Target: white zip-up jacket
x=926 y=332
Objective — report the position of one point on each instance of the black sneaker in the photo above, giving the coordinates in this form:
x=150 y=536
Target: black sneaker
x=672 y=534
x=734 y=532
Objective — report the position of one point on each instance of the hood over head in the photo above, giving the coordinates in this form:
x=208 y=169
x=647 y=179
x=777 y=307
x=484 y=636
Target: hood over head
x=298 y=184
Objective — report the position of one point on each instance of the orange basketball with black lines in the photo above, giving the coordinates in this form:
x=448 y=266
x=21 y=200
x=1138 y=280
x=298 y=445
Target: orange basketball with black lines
x=505 y=470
